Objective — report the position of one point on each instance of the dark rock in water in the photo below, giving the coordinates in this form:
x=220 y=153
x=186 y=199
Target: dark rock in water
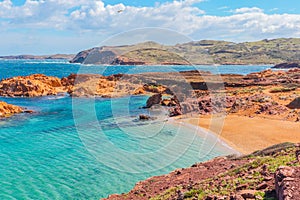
x=144 y=117
x=28 y=111
x=174 y=104
x=295 y=104
x=154 y=99
x=286 y=66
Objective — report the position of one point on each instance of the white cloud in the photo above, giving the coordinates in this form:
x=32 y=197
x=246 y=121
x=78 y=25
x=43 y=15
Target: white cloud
x=248 y=10
x=94 y=17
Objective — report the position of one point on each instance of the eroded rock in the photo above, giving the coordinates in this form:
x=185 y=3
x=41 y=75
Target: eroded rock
x=8 y=109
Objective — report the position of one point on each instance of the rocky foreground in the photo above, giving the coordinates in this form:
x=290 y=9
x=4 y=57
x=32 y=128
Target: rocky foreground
x=268 y=94
x=272 y=173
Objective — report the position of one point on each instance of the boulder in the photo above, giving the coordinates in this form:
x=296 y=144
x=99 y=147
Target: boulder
x=153 y=100
x=295 y=104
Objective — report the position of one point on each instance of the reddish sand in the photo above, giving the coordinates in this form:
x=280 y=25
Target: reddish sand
x=250 y=134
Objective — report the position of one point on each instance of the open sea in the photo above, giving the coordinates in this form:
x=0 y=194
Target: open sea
x=84 y=148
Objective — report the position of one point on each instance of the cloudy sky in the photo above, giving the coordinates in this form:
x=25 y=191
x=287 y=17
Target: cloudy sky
x=67 y=26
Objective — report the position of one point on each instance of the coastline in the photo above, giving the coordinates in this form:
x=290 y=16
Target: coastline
x=201 y=132
x=258 y=133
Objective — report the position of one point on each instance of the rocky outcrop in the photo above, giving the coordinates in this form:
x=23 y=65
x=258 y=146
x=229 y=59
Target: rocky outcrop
x=286 y=66
x=287 y=183
x=153 y=100
x=31 y=86
x=8 y=109
x=295 y=104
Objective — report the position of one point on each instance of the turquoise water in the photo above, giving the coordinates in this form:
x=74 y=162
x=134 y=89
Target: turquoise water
x=89 y=148
x=61 y=68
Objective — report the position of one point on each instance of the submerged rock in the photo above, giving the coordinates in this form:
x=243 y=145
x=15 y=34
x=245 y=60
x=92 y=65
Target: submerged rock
x=144 y=117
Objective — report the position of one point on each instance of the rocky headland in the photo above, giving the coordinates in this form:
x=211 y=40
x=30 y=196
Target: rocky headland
x=267 y=174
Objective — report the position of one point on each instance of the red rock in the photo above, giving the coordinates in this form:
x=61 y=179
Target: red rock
x=248 y=194
x=8 y=109
x=287 y=183
x=30 y=86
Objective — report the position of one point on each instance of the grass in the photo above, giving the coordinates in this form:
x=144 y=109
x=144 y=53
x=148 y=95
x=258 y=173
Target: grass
x=220 y=186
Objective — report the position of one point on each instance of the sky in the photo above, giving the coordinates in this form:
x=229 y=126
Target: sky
x=67 y=26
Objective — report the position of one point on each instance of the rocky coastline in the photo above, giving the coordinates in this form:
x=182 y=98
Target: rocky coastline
x=267 y=174
x=271 y=94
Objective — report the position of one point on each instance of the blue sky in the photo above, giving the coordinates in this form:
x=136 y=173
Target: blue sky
x=67 y=26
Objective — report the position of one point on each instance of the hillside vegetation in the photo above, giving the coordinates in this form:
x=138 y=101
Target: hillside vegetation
x=198 y=52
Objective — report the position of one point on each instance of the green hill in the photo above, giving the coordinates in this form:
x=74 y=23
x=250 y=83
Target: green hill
x=197 y=52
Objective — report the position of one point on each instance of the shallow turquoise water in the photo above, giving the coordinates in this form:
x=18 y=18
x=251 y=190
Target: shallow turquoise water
x=88 y=148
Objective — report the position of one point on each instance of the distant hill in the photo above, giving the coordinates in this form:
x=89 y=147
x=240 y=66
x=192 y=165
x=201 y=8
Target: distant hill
x=198 y=52
x=34 y=57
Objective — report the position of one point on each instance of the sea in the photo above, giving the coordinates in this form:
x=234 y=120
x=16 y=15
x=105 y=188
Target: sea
x=88 y=148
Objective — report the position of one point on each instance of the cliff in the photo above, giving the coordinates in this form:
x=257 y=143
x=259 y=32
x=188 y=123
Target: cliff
x=198 y=52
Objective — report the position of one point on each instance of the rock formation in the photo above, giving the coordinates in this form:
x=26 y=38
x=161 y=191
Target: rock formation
x=153 y=100
x=8 y=109
x=287 y=183
x=295 y=104
x=30 y=86
x=266 y=94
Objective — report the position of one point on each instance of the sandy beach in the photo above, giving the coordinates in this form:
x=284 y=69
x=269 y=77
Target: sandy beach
x=247 y=134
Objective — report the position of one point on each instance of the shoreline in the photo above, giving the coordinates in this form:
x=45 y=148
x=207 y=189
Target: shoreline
x=209 y=134
x=258 y=133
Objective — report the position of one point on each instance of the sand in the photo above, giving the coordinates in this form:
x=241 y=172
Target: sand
x=247 y=134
